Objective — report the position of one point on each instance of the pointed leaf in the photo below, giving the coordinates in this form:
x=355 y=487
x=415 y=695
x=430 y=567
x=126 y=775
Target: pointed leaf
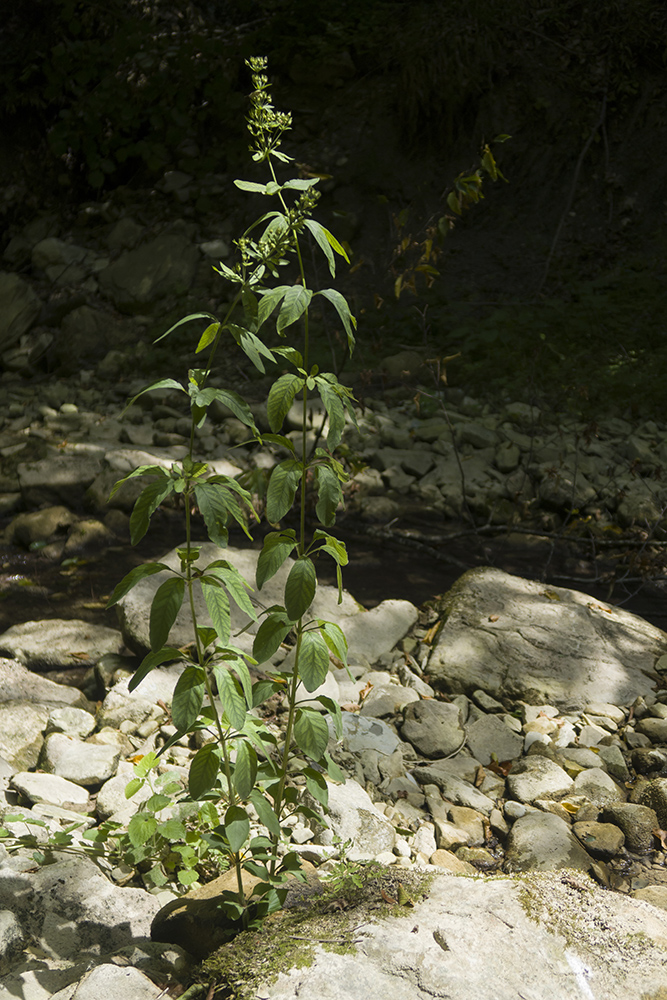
x=278 y=545
x=164 y=610
x=186 y=319
x=236 y=403
x=230 y=695
x=335 y=639
x=207 y=337
x=300 y=588
x=235 y=584
x=269 y=301
x=296 y=301
x=316 y=784
x=313 y=664
x=204 y=770
x=188 y=697
x=281 y=396
x=267 y=816
x=237 y=827
x=142 y=470
x=340 y=305
x=270 y=634
x=245 y=768
x=147 y=503
x=291 y=354
x=133 y=578
x=163 y=383
x=319 y=233
x=335 y=411
x=214 y=507
x=282 y=489
x=217 y=604
x=252 y=186
x=329 y=494
x=166 y=655
x=311 y=733
x=333 y=708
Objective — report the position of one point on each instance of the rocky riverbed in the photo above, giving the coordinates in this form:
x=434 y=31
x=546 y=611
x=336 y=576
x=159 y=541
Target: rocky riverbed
x=505 y=728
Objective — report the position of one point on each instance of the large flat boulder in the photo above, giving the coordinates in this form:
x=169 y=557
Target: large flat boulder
x=521 y=639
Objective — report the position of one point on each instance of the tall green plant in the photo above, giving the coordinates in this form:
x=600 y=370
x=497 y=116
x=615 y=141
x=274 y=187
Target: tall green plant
x=244 y=763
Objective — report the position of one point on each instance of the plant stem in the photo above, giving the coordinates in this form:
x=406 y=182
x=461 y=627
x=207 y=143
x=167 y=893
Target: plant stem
x=278 y=799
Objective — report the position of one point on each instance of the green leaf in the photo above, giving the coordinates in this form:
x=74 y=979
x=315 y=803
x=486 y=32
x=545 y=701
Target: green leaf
x=251 y=346
x=147 y=503
x=230 y=695
x=237 y=827
x=281 y=396
x=329 y=494
x=235 y=584
x=333 y=769
x=133 y=578
x=207 y=337
x=217 y=604
x=142 y=470
x=300 y=588
x=300 y=184
x=166 y=655
x=186 y=319
x=187 y=876
x=296 y=301
x=188 y=698
x=313 y=662
x=335 y=639
x=269 y=301
x=251 y=186
x=291 y=354
x=282 y=489
x=141 y=828
x=245 y=768
x=277 y=547
x=163 y=383
x=204 y=770
x=335 y=411
x=207 y=636
x=270 y=634
x=332 y=546
x=146 y=764
x=164 y=610
x=132 y=787
x=172 y=829
x=267 y=816
x=316 y=784
x=333 y=708
x=319 y=233
x=214 y=505
x=340 y=305
x=311 y=732
x=230 y=399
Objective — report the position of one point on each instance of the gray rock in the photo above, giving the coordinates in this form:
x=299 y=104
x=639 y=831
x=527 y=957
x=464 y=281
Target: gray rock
x=433 y=727
x=489 y=737
x=122 y=705
x=352 y=816
x=163 y=267
x=654 y=795
x=387 y=700
x=361 y=734
x=637 y=823
x=614 y=762
x=541 y=841
x=21 y=728
x=82 y=763
x=538 y=777
x=541 y=938
x=458 y=791
x=655 y=729
x=12 y=937
x=39 y=525
x=19 y=308
x=71 y=721
x=56 y=479
x=111 y=982
x=51 y=789
x=55 y=643
x=656 y=895
x=111 y=800
x=514 y=637
x=598 y=787
x=18 y=684
x=602 y=840
x=564 y=487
